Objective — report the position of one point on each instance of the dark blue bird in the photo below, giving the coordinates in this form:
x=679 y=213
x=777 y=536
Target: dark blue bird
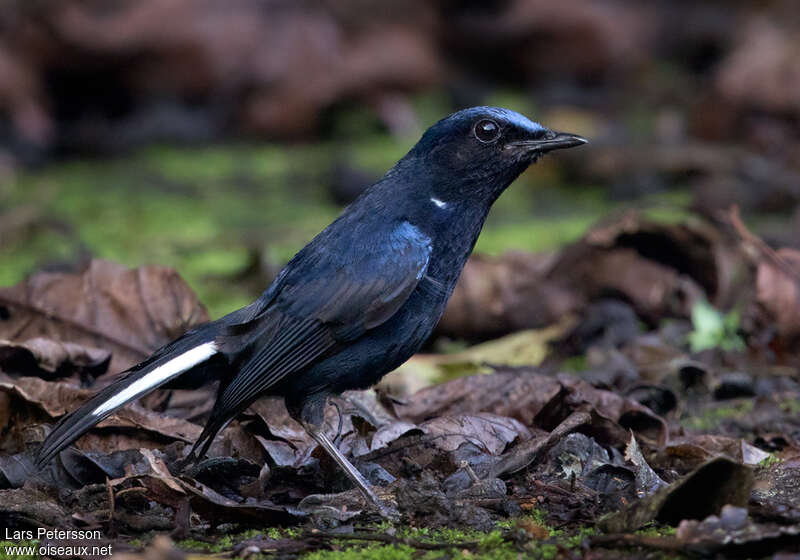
x=358 y=300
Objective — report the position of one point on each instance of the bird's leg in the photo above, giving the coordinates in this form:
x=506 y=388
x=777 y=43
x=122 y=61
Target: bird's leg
x=202 y=444
x=350 y=470
x=336 y=438
x=310 y=413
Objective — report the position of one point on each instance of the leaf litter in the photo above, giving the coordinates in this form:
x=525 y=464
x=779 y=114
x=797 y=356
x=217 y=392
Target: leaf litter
x=668 y=402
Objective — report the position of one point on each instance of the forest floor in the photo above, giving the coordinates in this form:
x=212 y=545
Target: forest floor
x=623 y=383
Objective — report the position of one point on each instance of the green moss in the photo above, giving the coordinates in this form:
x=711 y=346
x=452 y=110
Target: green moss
x=498 y=544
x=227 y=542
x=538 y=234
x=767 y=462
x=280 y=533
x=546 y=552
x=6 y=548
x=657 y=531
x=575 y=364
x=576 y=539
x=196 y=210
x=790 y=406
x=539 y=516
x=192 y=544
x=369 y=552
x=710 y=418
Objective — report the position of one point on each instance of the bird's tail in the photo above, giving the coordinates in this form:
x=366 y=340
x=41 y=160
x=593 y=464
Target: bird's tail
x=163 y=366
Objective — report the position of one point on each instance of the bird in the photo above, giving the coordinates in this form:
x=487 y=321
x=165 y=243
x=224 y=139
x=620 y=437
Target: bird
x=356 y=302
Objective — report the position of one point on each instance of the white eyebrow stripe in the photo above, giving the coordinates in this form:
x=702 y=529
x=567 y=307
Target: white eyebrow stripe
x=438 y=202
x=158 y=376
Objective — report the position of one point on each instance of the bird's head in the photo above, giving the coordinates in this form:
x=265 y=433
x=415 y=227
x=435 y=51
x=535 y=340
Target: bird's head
x=478 y=152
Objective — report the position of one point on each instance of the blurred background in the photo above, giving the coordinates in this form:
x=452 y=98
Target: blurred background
x=218 y=137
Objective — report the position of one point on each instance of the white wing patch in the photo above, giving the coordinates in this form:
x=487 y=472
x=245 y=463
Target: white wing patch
x=158 y=376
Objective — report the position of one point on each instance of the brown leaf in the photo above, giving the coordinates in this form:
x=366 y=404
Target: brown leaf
x=732 y=534
x=536 y=399
x=647 y=481
x=612 y=413
x=172 y=491
x=212 y=505
x=130 y=312
x=688 y=452
x=662 y=269
x=488 y=432
x=366 y=406
x=30 y=503
x=523 y=348
x=703 y=492
x=498 y=295
x=134 y=417
x=754 y=73
x=520 y=456
x=656 y=361
x=516 y=393
x=653 y=289
x=290 y=445
x=54 y=399
x=778 y=290
x=50 y=358
x=236 y=441
x=777 y=489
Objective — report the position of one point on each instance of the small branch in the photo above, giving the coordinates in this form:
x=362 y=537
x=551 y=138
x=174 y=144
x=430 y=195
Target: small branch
x=633 y=540
x=758 y=244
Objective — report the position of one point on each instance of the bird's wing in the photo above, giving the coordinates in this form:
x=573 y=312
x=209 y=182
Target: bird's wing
x=324 y=300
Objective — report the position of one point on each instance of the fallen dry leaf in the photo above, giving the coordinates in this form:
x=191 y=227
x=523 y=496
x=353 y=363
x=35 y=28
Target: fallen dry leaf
x=130 y=312
x=778 y=290
x=488 y=432
x=524 y=348
x=498 y=295
x=54 y=398
x=536 y=400
x=733 y=533
x=515 y=393
x=701 y=493
x=131 y=427
x=51 y=359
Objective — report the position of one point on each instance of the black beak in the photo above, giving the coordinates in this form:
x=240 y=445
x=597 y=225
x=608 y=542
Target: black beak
x=550 y=141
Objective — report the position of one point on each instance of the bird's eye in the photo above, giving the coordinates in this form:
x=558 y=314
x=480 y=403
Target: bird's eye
x=487 y=130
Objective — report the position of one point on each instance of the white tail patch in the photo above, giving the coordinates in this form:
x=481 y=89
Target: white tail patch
x=158 y=376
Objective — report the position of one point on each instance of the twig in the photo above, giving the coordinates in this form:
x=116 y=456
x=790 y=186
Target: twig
x=627 y=539
x=111 y=503
x=759 y=245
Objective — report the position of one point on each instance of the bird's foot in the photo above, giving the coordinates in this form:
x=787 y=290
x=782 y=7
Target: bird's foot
x=182 y=465
x=353 y=473
x=388 y=511
x=332 y=509
x=384 y=504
